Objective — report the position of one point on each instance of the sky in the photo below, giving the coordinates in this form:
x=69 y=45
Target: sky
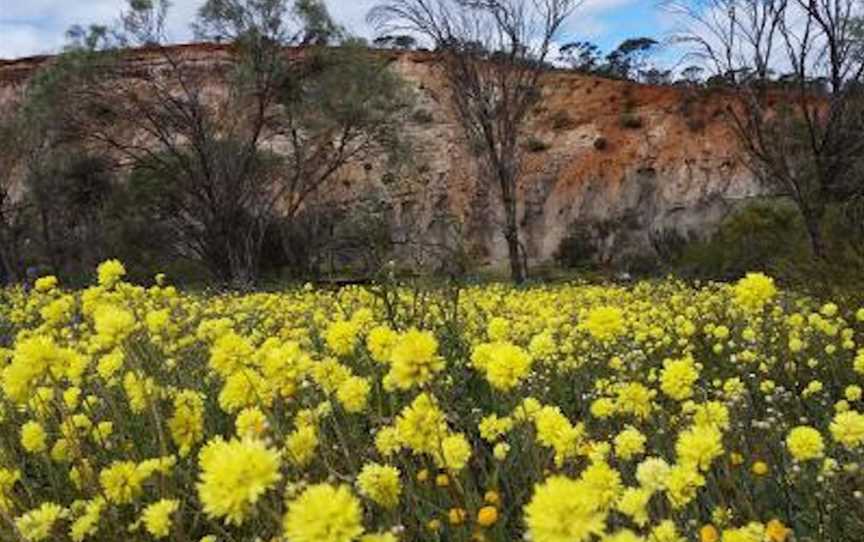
x=32 y=27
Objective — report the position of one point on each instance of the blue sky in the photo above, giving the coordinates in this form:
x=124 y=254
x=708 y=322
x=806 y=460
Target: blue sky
x=29 y=27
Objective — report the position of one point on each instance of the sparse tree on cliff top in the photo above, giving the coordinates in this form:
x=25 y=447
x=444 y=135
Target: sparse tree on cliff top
x=630 y=58
x=582 y=56
x=803 y=137
x=493 y=95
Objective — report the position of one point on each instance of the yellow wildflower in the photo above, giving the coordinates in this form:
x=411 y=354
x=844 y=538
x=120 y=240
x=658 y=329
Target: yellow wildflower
x=563 y=510
x=37 y=525
x=380 y=483
x=324 y=513
x=33 y=437
x=234 y=475
x=805 y=443
x=414 y=360
x=157 y=517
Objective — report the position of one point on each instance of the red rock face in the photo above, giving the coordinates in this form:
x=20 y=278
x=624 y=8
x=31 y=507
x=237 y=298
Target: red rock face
x=621 y=163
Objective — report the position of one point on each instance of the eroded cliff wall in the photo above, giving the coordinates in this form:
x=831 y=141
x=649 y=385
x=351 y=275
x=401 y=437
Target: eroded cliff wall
x=620 y=164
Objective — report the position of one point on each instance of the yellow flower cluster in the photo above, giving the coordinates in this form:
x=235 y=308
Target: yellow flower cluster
x=651 y=412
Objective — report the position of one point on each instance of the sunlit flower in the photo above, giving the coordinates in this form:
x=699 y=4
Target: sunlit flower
x=805 y=443
x=563 y=510
x=380 y=483
x=157 y=517
x=604 y=323
x=414 y=360
x=847 y=428
x=110 y=272
x=234 y=475
x=38 y=524
x=324 y=513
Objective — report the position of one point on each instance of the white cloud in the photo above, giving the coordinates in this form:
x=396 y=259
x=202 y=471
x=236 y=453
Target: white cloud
x=23 y=39
x=29 y=27
x=597 y=6
x=57 y=9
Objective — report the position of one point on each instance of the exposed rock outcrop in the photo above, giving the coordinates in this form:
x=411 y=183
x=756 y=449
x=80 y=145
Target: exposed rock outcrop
x=622 y=163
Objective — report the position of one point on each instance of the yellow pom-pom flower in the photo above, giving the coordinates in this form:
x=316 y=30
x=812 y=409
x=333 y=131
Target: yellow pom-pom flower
x=37 y=525
x=563 y=510
x=234 y=475
x=157 y=517
x=414 y=360
x=33 y=437
x=754 y=291
x=110 y=272
x=847 y=428
x=805 y=443
x=324 y=513
x=380 y=483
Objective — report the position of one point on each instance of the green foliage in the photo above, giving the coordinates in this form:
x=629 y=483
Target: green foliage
x=754 y=238
x=347 y=86
x=68 y=189
x=630 y=121
x=251 y=21
x=422 y=116
x=535 y=144
x=44 y=114
x=139 y=231
x=577 y=249
x=771 y=237
x=628 y=61
x=561 y=120
x=318 y=27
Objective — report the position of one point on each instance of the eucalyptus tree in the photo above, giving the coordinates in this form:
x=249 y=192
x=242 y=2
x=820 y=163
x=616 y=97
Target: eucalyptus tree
x=796 y=72
x=233 y=142
x=493 y=54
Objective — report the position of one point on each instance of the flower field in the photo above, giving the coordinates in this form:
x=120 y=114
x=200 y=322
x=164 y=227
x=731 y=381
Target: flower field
x=657 y=412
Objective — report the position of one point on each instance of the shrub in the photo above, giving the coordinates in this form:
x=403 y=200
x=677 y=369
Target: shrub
x=771 y=237
x=534 y=144
x=577 y=249
x=631 y=121
x=601 y=143
x=562 y=120
x=422 y=116
x=754 y=238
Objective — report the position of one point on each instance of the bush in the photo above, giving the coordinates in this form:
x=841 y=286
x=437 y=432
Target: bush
x=754 y=238
x=535 y=144
x=631 y=121
x=422 y=116
x=577 y=249
x=771 y=237
x=641 y=264
x=562 y=120
x=601 y=143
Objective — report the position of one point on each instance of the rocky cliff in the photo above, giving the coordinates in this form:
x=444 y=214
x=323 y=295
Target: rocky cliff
x=620 y=164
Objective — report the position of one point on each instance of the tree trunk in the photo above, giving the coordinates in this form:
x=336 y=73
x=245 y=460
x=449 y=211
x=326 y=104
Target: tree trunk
x=244 y=252
x=506 y=170
x=48 y=239
x=9 y=260
x=240 y=274
x=8 y=274
x=511 y=234
x=517 y=272
x=813 y=223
